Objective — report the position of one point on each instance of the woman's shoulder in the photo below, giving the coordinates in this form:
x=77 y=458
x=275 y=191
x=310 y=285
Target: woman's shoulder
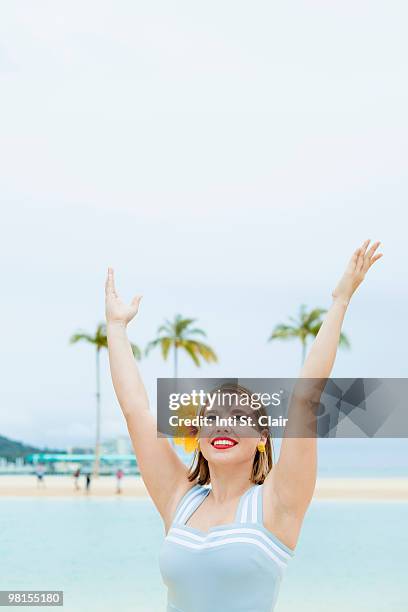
x=181 y=499
x=192 y=490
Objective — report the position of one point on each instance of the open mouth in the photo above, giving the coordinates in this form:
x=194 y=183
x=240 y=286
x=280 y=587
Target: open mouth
x=223 y=443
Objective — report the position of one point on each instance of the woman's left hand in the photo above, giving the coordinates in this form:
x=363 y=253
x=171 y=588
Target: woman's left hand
x=360 y=262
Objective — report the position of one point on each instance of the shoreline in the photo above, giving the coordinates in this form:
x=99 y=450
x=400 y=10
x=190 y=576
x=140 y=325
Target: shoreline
x=391 y=489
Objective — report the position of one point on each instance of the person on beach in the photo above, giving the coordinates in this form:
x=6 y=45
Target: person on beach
x=119 y=475
x=76 y=476
x=232 y=520
x=88 y=482
x=40 y=471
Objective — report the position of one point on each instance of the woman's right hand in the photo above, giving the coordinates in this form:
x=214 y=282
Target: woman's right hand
x=115 y=309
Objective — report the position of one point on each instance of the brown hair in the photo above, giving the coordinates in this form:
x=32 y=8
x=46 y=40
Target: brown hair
x=263 y=462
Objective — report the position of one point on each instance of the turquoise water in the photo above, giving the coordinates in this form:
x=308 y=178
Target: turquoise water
x=355 y=458
x=351 y=556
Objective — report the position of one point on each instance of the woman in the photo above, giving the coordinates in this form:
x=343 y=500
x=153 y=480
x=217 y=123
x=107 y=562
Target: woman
x=227 y=545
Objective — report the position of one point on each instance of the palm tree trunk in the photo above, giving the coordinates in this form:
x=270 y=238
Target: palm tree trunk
x=175 y=376
x=303 y=351
x=175 y=361
x=98 y=418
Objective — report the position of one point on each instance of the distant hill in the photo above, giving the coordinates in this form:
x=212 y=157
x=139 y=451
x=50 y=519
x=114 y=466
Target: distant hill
x=11 y=449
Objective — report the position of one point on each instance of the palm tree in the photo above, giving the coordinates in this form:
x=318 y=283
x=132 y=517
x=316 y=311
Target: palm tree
x=100 y=341
x=307 y=324
x=179 y=334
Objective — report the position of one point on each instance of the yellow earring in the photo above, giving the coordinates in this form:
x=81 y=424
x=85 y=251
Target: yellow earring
x=261 y=447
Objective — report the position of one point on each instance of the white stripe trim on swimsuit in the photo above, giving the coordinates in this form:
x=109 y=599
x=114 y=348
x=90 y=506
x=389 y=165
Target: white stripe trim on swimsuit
x=230 y=540
x=226 y=532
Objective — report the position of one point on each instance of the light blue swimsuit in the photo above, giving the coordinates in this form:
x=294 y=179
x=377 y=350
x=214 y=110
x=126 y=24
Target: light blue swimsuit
x=236 y=567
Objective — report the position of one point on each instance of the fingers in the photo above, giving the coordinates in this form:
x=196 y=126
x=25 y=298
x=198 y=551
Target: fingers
x=370 y=258
x=353 y=260
x=110 y=283
x=361 y=256
x=365 y=245
x=136 y=301
x=364 y=259
x=375 y=258
x=368 y=261
x=372 y=250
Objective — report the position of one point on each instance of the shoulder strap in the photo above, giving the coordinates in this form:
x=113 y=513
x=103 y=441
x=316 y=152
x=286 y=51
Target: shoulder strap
x=188 y=503
x=250 y=506
x=259 y=504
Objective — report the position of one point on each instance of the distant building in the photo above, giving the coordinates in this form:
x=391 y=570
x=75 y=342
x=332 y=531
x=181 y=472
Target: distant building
x=117 y=446
x=80 y=450
x=66 y=463
x=114 y=453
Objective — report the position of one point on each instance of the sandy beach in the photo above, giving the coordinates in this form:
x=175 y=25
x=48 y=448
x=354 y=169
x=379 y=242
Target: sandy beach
x=393 y=489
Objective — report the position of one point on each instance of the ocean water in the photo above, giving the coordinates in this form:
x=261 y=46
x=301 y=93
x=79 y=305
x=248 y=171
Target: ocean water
x=351 y=556
x=354 y=458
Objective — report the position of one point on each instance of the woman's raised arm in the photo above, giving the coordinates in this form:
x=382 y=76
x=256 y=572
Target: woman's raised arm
x=293 y=479
x=164 y=474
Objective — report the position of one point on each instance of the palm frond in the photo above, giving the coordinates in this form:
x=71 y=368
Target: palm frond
x=309 y=324
x=101 y=329
x=178 y=334
x=344 y=342
x=81 y=337
x=151 y=345
x=283 y=332
x=314 y=330
x=181 y=325
x=102 y=342
x=195 y=330
x=205 y=351
x=295 y=320
x=137 y=353
x=189 y=348
x=166 y=344
x=314 y=315
x=167 y=328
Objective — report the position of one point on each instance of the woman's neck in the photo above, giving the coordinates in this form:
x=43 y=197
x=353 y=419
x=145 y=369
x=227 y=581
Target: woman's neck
x=228 y=483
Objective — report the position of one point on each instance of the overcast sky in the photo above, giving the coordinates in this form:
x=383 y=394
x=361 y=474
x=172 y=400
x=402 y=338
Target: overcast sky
x=224 y=158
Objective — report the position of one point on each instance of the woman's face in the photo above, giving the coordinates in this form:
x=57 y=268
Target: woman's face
x=229 y=442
